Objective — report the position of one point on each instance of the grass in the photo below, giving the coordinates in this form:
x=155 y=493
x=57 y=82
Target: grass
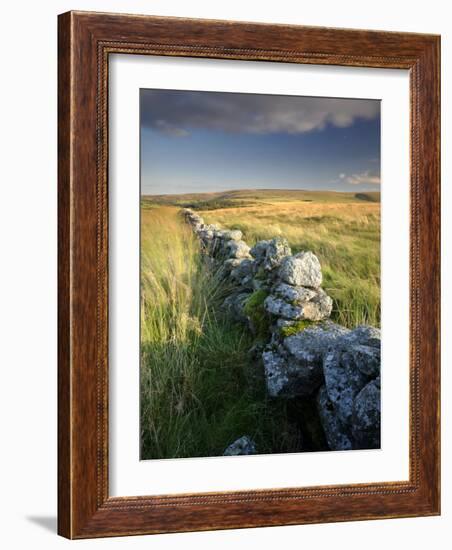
x=200 y=389
x=260 y=196
x=344 y=235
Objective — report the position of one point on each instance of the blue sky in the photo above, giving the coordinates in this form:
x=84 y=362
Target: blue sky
x=214 y=141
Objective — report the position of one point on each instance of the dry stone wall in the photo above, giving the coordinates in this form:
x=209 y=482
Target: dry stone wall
x=278 y=295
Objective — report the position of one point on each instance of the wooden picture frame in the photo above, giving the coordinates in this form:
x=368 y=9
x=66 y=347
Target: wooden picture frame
x=85 y=42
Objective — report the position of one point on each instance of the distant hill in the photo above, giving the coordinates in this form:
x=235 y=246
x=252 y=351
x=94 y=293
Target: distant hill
x=371 y=196
x=249 y=197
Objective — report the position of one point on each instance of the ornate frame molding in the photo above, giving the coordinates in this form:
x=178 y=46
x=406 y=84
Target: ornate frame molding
x=85 y=42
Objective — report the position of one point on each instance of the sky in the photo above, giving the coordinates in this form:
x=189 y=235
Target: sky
x=194 y=142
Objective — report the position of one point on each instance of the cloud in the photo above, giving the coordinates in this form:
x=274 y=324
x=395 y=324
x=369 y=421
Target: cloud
x=169 y=130
x=176 y=113
x=366 y=177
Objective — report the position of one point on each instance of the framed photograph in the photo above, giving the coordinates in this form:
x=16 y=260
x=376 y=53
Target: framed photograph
x=248 y=275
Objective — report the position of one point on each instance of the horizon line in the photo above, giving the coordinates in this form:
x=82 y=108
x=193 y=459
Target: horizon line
x=264 y=189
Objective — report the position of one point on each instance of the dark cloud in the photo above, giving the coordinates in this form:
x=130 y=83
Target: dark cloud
x=176 y=113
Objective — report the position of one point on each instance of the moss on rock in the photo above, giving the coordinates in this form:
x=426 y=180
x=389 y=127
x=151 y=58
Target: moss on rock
x=255 y=311
x=297 y=327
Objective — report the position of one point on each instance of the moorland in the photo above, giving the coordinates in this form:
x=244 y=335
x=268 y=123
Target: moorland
x=199 y=387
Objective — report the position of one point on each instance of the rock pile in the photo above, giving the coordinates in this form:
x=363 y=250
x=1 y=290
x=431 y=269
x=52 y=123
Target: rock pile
x=279 y=296
x=342 y=367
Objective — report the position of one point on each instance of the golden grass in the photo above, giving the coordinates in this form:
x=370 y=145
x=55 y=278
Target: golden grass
x=199 y=387
x=345 y=237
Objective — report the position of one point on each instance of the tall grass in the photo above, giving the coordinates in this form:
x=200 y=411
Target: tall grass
x=345 y=237
x=200 y=389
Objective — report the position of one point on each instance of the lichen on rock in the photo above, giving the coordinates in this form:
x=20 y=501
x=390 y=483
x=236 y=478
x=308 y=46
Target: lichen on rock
x=352 y=383
x=238 y=249
x=294 y=294
x=303 y=269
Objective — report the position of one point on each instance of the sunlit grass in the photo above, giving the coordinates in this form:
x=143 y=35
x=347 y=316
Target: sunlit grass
x=200 y=389
x=345 y=237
